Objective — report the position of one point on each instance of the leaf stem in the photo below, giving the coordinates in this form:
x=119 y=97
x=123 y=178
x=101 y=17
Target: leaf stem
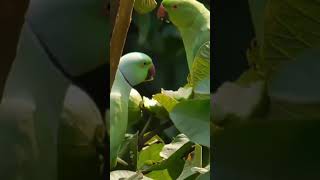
x=156 y=131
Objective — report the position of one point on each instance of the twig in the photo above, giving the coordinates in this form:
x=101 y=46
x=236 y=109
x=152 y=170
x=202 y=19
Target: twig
x=145 y=128
x=119 y=35
x=156 y=131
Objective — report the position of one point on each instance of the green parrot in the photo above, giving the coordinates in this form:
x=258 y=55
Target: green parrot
x=195 y=33
x=134 y=68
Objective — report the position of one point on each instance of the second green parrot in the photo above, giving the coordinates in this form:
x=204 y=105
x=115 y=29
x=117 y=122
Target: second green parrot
x=134 y=68
x=192 y=20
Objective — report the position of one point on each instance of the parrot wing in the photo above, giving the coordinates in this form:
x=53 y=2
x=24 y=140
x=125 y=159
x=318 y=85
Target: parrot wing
x=118 y=124
x=199 y=77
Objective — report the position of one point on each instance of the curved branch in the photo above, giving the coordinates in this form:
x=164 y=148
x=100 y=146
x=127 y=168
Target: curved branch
x=119 y=35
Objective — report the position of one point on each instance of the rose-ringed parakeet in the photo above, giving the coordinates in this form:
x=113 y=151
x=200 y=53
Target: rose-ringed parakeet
x=189 y=107
x=134 y=68
x=192 y=20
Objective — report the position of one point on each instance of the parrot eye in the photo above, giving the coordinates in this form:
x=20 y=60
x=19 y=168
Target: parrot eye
x=175 y=6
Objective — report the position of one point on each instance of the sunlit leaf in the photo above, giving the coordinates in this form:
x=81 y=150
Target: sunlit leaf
x=129 y=151
x=176 y=144
x=235 y=100
x=290 y=27
x=144 y=6
x=166 y=101
x=124 y=174
x=155 y=108
x=192 y=118
x=194 y=160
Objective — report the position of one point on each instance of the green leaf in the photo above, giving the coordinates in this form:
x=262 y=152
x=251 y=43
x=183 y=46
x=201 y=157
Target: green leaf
x=257 y=9
x=230 y=97
x=182 y=93
x=290 y=27
x=298 y=81
x=144 y=6
x=124 y=174
x=129 y=151
x=155 y=108
x=195 y=161
x=174 y=164
x=166 y=101
x=205 y=176
x=150 y=152
x=176 y=144
x=192 y=118
x=150 y=155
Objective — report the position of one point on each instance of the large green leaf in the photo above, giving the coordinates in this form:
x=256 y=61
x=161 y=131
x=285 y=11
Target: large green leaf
x=192 y=118
x=175 y=145
x=144 y=6
x=166 y=101
x=155 y=108
x=237 y=101
x=129 y=175
x=257 y=9
x=129 y=152
x=298 y=81
x=290 y=27
x=174 y=163
x=149 y=155
x=194 y=161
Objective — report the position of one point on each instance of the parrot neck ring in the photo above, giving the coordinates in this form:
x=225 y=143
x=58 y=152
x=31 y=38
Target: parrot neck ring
x=124 y=77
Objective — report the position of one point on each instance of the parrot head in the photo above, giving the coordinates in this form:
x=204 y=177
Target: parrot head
x=182 y=13
x=136 y=68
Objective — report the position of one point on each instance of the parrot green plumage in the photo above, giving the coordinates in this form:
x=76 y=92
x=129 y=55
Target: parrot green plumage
x=134 y=68
x=192 y=20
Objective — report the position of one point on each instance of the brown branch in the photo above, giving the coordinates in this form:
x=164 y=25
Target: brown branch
x=114 y=6
x=156 y=131
x=119 y=35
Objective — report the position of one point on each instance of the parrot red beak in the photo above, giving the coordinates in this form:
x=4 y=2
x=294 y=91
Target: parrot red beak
x=151 y=73
x=162 y=14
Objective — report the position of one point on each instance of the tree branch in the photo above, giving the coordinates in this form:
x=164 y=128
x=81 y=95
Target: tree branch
x=119 y=35
x=156 y=131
